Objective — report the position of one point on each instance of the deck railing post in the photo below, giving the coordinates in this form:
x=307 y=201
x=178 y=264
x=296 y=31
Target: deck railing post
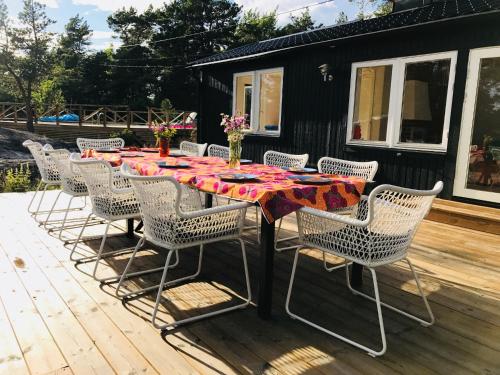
x=80 y=115
x=129 y=118
x=150 y=116
x=57 y=115
x=15 y=114
x=104 y=116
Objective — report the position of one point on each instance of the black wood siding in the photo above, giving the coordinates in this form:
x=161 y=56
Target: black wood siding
x=314 y=112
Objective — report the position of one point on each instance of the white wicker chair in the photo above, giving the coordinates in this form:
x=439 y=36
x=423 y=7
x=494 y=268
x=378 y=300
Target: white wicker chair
x=282 y=160
x=48 y=172
x=366 y=170
x=169 y=225
x=193 y=149
x=112 y=199
x=378 y=233
x=99 y=144
x=218 y=151
x=71 y=183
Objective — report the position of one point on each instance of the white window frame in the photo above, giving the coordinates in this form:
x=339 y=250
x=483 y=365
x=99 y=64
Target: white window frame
x=467 y=126
x=254 y=116
x=394 y=121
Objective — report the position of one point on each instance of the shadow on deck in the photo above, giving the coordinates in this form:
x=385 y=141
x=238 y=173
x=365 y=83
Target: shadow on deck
x=459 y=270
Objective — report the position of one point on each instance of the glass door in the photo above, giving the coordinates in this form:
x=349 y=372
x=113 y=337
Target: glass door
x=478 y=160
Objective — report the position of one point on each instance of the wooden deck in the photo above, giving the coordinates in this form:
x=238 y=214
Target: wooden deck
x=54 y=318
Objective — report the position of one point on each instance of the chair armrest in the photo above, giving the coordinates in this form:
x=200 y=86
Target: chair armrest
x=213 y=210
x=335 y=217
x=119 y=183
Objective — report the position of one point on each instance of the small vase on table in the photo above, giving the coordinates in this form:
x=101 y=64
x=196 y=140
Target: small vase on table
x=163 y=134
x=234 y=154
x=164 y=144
x=234 y=127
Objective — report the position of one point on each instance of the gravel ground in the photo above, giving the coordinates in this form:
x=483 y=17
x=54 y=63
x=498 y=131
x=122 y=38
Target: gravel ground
x=12 y=151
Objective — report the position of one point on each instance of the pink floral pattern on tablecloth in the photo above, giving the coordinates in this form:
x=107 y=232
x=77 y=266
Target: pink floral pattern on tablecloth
x=274 y=192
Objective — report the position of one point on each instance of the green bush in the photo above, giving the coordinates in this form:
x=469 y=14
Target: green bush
x=128 y=136
x=17 y=179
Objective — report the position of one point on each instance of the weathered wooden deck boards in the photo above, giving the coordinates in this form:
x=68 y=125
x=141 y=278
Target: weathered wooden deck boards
x=54 y=318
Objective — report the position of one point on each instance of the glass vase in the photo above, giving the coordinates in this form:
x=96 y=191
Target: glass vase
x=164 y=144
x=234 y=154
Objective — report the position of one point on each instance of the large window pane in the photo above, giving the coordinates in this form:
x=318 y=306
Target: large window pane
x=269 y=101
x=484 y=157
x=371 y=105
x=424 y=101
x=243 y=92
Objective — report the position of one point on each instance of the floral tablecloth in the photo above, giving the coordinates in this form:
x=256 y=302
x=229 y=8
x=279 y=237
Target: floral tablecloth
x=273 y=191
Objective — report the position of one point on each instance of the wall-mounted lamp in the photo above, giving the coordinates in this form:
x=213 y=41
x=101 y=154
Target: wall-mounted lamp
x=324 y=69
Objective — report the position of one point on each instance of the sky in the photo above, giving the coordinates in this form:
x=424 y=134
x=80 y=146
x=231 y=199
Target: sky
x=97 y=11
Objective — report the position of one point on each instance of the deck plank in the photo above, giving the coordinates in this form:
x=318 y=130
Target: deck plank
x=458 y=269
x=109 y=340
x=163 y=358
x=11 y=358
x=40 y=351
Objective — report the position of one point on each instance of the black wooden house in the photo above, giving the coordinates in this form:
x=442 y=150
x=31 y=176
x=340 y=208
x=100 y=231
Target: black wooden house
x=417 y=90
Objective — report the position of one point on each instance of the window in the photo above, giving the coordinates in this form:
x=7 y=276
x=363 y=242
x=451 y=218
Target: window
x=402 y=103
x=258 y=94
x=371 y=107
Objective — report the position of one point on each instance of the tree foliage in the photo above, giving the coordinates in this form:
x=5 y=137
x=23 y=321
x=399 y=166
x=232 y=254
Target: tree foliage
x=341 y=18
x=150 y=63
x=24 y=52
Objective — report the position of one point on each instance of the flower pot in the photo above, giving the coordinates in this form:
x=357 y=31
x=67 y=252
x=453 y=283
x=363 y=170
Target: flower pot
x=234 y=154
x=164 y=144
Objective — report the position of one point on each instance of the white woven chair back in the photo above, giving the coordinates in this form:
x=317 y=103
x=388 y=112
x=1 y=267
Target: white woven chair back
x=282 y=160
x=99 y=144
x=193 y=149
x=365 y=170
x=218 y=151
x=47 y=168
x=71 y=182
x=161 y=202
x=103 y=184
x=394 y=215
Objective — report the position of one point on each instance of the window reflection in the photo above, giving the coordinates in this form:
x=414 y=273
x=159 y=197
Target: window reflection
x=424 y=101
x=371 y=105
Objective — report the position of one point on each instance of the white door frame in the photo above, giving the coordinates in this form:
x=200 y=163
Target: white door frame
x=468 y=113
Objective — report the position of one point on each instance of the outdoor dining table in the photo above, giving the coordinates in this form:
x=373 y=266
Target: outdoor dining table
x=273 y=191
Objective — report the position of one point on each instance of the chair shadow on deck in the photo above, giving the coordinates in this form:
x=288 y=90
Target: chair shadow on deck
x=318 y=295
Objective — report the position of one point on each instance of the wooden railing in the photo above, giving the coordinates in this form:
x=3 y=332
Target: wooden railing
x=97 y=115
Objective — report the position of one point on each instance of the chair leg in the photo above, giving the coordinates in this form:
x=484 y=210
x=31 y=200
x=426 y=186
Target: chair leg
x=33 y=198
x=206 y=315
x=37 y=211
x=65 y=217
x=79 y=237
x=277 y=240
x=424 y=323
x=126 y=275
x=426 y=303
x=51 y=210
x=336 y=267
x=370 y=351
x=257 y=226
x=101 y=248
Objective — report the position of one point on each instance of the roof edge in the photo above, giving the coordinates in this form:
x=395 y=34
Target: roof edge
x=194 y=65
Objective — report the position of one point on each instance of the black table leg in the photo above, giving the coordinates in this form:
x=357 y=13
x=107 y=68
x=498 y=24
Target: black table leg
x=208 y=200
x=356 y=275
x=130 y=228
x=264 y=302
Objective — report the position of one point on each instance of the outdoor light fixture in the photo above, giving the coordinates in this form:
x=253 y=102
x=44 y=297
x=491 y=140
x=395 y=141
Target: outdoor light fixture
x=324 y=69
